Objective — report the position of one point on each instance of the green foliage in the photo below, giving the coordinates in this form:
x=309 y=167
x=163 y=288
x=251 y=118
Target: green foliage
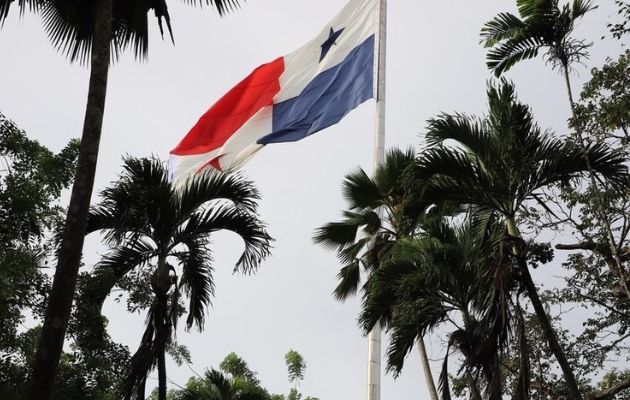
x=501 y=161
x=447 y=274
x=542 y=26
x=613 y=378
x=293 y=395
x=622 y=27
x=81 y=376
x=604 y=106
x=593 y=284
x=237 y=367
x=31 y=181
x=179 y=353
x=237 y=383
x=363 y=237
x=161 y=234
x=296 y=366
x=70 y=24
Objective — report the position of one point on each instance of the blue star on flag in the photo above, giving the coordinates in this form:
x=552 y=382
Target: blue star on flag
x=330 y=42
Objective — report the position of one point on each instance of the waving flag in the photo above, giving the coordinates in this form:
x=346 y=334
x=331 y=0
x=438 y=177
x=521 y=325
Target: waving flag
x=289 y=98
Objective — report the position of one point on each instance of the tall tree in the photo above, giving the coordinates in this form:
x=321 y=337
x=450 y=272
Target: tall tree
x=592 y=284
x=445 y=275
x=545 y=26
x=296 y=366
x=221 y=387
x=498 y=163
x=151 y=226
x=237 y=367
x=237 y=384
x=31 y=181
x=215 y=385
x=86 y=30
x=604 y=111
x=376 y=218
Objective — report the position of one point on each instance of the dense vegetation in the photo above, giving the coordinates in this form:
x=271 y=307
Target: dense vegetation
x=439 y=238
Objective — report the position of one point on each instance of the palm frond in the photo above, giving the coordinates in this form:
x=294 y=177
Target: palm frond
x=349 y=278
x=336 y=235
x=70 y=27
x=387 y=174
x=222 y=6
x=467 y=131
x=23 y=5
x=138 y=203
x=360 y=191
x=403 y=333
x=380 y=299
x=196 y=279
x=355 y=251
x=543 y=25
x=100 y=217
x=212 y=185
x=225 y=217
x=134 y=253
x=504 y=55
x=131 y=24
x=503 y=27
x=452 y=176
x=70 y=23
x=579 y=8
x=220 y=382
x=532 y=8
x=571 y=163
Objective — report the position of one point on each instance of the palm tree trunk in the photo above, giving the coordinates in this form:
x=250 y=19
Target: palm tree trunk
x=543 y=318
x=161 y=376
x=162 y=286
x=603 y=218
x=64 y=283
x=426 y=368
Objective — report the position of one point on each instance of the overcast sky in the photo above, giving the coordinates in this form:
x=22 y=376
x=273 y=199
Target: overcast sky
x=435 y=64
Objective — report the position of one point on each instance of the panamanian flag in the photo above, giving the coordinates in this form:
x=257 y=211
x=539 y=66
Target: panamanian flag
x=289 y=98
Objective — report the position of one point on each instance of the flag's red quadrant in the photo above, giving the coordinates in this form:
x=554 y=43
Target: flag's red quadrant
x=227 y=115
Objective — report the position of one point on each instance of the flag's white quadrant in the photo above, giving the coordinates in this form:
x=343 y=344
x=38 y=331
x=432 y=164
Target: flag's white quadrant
x=289 y=98
x=352 y=26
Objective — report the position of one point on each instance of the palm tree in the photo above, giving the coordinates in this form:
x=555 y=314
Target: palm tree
x=448 y=270
x=152 y=226
x=499 y=162
x=377 y=217
x=215 y=385
x=86 y=30
x=545 y=26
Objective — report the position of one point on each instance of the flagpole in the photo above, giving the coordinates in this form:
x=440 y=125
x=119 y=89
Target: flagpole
x=381 y=43
x=374 y=337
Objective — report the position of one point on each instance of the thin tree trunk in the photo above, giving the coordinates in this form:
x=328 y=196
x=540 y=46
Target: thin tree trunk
x=64 y=283
x=603 y=218
x=161 y=376
x=426 y=368
x=162 y=286
x=543 y=318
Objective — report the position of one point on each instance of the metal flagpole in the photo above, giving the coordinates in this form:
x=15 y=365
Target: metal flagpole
x=374 y=337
